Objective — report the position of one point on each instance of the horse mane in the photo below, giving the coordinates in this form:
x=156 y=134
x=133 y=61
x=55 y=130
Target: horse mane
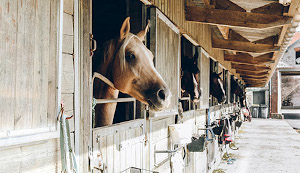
x=108 y=47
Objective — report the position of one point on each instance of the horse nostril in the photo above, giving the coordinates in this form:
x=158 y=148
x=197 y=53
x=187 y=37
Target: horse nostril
x=161 y=94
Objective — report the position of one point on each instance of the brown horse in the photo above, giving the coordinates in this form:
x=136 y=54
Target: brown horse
x=216 y=87
x=189 y=77
x=128 y=64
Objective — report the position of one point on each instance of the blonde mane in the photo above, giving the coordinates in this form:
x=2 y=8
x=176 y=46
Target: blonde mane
x=121 y=50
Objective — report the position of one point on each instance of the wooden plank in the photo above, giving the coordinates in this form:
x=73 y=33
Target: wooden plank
x=246 y=58
x=85 y=78
x=7 y=63
x=228 y=5
x=240 y=46
x=110 y=153
x=116 y=151
x=293 y=7
x=234 y=18
x=122 y=152
x=274 y=8
x=269 y=40
x=24 y=71
x=40 y=63
x=251 y=72
x=249 y=67
x=37 y=157
x=52 y=71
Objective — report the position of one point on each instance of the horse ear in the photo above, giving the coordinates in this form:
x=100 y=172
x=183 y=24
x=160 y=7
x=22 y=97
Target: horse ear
x=141 y=35
x=125 y=28
x=220 y=74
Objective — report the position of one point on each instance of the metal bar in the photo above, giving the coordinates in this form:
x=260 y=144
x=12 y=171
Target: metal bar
x=101 y=101
x=168 y=151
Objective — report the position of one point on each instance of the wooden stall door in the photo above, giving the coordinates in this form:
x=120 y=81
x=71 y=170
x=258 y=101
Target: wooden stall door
x=122 y=145
x=204 y=79
x=28 y=70
x=165 y=45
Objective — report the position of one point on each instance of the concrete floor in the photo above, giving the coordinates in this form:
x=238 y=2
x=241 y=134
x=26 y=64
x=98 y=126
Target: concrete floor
x=265 y=146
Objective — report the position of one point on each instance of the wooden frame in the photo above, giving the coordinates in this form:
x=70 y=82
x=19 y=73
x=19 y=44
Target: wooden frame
x=21 y=137
x=155 y=14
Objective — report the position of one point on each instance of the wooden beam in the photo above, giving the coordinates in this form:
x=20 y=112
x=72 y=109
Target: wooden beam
x=240 y=46
x=228 y=5
x=234 y=18
x=249 y=67
x=234 y=36
x=254 y=75
x=269 y=40
x=250 y=72
x=247 y=59
x=255 y=78
x=224 y=31
x=274 y=8
x=209 y=3
x=293 y=7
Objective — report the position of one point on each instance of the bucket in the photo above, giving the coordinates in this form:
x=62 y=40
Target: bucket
x=181 y=133
x=238 y=123
x=218 y=129
x=197 y=145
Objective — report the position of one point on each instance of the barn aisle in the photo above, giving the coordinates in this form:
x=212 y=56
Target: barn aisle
x=265 y=145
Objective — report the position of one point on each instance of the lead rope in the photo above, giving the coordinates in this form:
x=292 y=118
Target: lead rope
x=68 y=160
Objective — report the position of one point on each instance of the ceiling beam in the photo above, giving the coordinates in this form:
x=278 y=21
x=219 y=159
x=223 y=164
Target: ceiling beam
x=228 y=5
x=248 y=72
x=254 y=75
x=250 y=67
x=234 y=18
x=240 y=46
x=247 y=59
x=274 y=8
x=269 y=40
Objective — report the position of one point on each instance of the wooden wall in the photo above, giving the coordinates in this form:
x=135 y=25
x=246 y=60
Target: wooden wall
x=201 y=33
x=28 y=79
x=27 y=74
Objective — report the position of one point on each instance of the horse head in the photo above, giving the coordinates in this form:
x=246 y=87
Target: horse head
x=216 y=87
x=189 y=77
x=131 y=69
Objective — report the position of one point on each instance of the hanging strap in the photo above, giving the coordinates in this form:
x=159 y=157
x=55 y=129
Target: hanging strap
x=68 y=160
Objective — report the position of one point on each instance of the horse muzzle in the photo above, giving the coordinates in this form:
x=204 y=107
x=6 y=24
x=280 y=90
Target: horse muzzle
x=160 y=100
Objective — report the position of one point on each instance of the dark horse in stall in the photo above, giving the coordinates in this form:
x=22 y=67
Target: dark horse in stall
x=189 y=77
x=238 y=91
x=216 y=87
x=128 y=64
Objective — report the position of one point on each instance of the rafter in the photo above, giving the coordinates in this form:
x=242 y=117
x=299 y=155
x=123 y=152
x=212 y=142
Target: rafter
x=234 y=18
x=269 y=40
x=240 y=46
x=250 y=72
x=274 y=8
x=247 y=59
x=254 y=75
x=249 y=67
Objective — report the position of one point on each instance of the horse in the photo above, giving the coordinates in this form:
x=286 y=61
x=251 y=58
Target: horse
x=238 y=91
x=127 y=66
x=189 y=77
x=216 y=87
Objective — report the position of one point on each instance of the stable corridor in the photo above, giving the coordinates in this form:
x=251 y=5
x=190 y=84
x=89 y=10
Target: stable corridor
x=265 y=145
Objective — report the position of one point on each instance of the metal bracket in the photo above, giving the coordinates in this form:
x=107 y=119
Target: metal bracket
x=209 y=128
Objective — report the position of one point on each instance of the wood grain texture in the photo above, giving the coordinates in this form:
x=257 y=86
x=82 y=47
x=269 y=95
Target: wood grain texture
x=234 y=18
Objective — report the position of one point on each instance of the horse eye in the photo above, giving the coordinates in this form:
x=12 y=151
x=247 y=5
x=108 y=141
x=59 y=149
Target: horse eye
x=130 y=57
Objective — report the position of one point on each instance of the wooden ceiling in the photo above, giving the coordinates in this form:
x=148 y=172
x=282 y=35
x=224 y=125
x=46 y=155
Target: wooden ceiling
x=249 y=31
